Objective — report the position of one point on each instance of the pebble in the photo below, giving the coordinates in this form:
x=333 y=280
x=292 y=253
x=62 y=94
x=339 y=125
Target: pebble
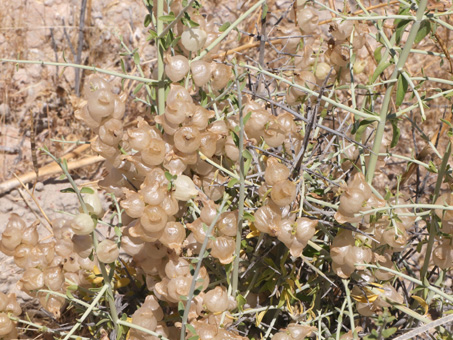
x=39 y=186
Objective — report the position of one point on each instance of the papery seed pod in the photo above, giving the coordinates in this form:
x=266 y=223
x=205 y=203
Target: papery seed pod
x=341 y=245
x=275 y=171
x=152 y=303
x=53 y=278
x=187 y=139
x=305 y=229
x=184 y=188
x=223 y=248
x=283 y=193
x=93 y=203
x=179 y=112
x=177 y=94
x=220 y=76
x=3 y=301
x=133 y=204
x=305 y=79
x=177 y=266
x=201 y=72
x=13 y=305
x=170 y=205
x=216 y=300
x=153 y=219
x=341 y=31
x=82 y=224
x=22 y=255
x=173 y=236
x=138 y=137
x=111 y=132
x=307 y=18
x=144 y=317
x=322 y=71
x=228 y=223
x=153 y=194
x=193 y=39
x=282 y=335
x=53 y=304
x=358 y=255
x=154 y=153
x=286 y=121
x=71 y=263
x=32 y=279
x=214 y=186
x=107 y=251
x=338 y=56
x=208 y=141
x=231 y=150
x=176 y=67
x=156 y=177
x=199 y=118
x=82 y=245
x=267 y=220
x=274 y=135
x=11 y=238
x=208 y=212
x=299 y=332
x=443 y=254
x=256 y=124
x=15 y=221
x=131 y=245
x=179 y=287
x=105 y=150
x=286 y=232
x=198 y=229
x=99 y=96
x=395 y=237
x=351 y=202
x=6 y=325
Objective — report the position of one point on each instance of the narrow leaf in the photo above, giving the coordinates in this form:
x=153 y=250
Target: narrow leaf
x=401 y=89
x=396 y=133
x=425 y=28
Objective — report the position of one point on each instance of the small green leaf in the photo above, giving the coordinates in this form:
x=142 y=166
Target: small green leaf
x=191 y=329
x=235 y=138
x=386 y=333
x=181 y=308
x=379 y=69
x=167 y=18
x=138 y=88
x=136 y=58
x=169 y=176
x=147 y=20
x=377 y=54
x=249 y=217
x=67 y=190
x=241 y=302
x=232 y=182
x=248 y=161
x=225 y=26
x=396 y=133
x=247 y=117
x=401 y=89
x=423 y=31
x=432 y=167
x=87 y=190
x=265 y=10
x=123 y=66
x=152 y=35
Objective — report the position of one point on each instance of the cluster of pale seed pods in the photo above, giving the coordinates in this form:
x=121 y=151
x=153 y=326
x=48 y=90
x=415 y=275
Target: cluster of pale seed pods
x=8 y=305
x=50 y=264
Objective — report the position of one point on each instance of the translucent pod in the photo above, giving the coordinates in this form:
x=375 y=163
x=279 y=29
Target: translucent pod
x=133 y=203
x=223 y=248
x=228 y=223
x=216 y=300
x=201 y=72
x=187 y=139
x=283 y=192
x=220 y=76
x=267 y=220
x=153 y=219
x=275 y=171
x=154 y=153
x=82 y=224
x=184 y=188
x=193 y=39
x=274 y=135
x=107 y=251
x=178 y=288
x=307 y=18
x=305 y=229
x=6 y=325
x=54 y=278
x=82 y=245
x=177 y=266
x=176 y=67
x=111 y=132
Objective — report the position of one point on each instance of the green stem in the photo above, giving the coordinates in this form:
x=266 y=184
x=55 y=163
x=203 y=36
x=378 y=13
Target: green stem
x=235 y=272
x=160 y=59
x=197 y=269
x=142 y=329
x=87 y=312
x=313 y=93
x=388 y=94
x=432 y=226
x=91 y=68
x=229 y=29
x=351 y=313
